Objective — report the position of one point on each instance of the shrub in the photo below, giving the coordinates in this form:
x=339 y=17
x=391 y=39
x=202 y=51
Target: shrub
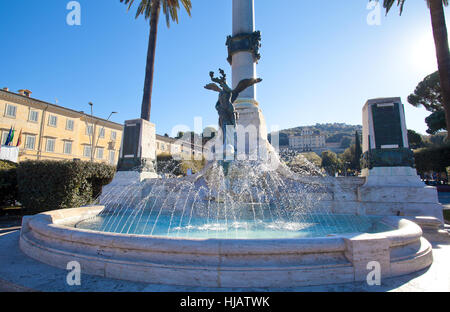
x=49 y=185
x=170 y=166
x=8 y=182
x=432 y=159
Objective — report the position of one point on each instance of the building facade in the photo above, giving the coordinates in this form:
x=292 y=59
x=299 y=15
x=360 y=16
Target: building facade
x=307 y=141
x=53 y=132
x=181 y=147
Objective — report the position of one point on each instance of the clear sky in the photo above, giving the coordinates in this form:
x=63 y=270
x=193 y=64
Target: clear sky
x=320 y=60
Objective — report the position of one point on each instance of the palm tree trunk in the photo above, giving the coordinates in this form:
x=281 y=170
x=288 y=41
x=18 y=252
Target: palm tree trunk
x=150 y=68
x=442 y=53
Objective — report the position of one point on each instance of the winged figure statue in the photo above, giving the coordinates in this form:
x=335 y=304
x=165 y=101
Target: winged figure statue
x=227 y=96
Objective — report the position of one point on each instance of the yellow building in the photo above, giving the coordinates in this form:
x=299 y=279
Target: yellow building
x=54 y=132
x=181 y=147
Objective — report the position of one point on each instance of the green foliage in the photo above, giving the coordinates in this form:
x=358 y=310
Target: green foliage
x=446 y=215
x=48 y=185
x=435 y=140
x=195 y=165
x=436 y=122
x=283 y=138
x=8 y=182
x=346 y=142
x=358 y=152
x=168 y=165
x=330 y=162
x=170 y=8
x=428 y=94
x=432 y=159
x=415 y=140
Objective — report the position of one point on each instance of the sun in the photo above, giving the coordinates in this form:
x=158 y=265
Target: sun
x=423 y=54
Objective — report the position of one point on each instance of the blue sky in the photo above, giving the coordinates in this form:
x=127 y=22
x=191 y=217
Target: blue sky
x=320 y=60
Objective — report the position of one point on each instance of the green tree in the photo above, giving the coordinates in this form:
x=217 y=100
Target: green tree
x=358 y=152
x=415 y=140
x=151 y=9
x=346 y=142
x=330 y=162
x=428 y=94
x=442 y=48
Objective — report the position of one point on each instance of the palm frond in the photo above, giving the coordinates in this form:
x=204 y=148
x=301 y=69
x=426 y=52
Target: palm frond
x=387 y=4
x=170 y=8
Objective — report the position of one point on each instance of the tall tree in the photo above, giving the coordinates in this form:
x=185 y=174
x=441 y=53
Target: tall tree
x=415 y=140
x=151 y=10
x=428 y=94
x=442 y=48
x=358 y=152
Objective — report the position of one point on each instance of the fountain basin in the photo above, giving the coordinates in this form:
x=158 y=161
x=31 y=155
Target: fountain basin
x=51 y=238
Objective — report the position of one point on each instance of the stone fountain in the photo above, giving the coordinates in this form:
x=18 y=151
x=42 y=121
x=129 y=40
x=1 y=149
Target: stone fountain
x=246 y=220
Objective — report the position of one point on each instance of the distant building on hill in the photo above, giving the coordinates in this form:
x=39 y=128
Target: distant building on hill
x=307 y=141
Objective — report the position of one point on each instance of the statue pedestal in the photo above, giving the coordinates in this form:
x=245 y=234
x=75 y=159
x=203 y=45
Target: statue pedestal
x=137 y=160
x=251 y=130
x=392 y=183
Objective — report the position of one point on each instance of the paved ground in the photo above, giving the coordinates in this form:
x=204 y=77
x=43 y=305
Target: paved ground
x=20 y=273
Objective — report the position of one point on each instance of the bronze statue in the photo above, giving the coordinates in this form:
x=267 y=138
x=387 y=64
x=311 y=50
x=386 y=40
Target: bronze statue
x=227 y=96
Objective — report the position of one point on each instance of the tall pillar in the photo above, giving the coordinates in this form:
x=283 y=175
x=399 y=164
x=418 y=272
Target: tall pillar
x=244 y=62
x=243 y=55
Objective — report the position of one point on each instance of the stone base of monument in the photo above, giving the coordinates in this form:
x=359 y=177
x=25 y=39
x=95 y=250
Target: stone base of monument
x=137 y=160
x=400 y=187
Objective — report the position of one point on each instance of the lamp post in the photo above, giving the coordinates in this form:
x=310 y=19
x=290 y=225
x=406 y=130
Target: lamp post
x=92 y=132
x=103 y=128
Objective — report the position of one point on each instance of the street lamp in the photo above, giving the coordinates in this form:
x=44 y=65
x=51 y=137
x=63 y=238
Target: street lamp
x=98 y=137
x=92 y=132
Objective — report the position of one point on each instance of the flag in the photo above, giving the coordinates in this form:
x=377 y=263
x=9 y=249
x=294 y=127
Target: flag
x=9 y=137
x=19 y=139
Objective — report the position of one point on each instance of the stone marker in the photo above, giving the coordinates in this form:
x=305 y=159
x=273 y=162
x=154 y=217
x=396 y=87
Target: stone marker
x=388 y=163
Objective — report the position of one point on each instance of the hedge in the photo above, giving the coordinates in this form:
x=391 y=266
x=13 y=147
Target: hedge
x=8 y=183
x=49 y=185
x=432 y=159
x=170 y=166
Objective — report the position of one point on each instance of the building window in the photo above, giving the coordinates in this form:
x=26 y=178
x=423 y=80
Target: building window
x=87 y=151
x=50 y=145
x=11 y=111
x=67 y=147
x=113 y=135
x=99 y=152
x=34 y=116
x=30 y=142
x=69 y=124
x=52 y=120
x=101 y=133
x=112 y=157
x=4 y=137
x=89 y=130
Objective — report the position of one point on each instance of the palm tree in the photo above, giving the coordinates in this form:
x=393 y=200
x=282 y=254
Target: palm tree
x=151 y=9
x=442 y=49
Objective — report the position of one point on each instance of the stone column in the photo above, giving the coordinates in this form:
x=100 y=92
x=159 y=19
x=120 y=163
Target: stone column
x=243 y=55
x=243 y=62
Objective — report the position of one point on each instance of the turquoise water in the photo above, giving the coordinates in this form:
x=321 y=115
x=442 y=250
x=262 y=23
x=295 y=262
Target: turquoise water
x=186 y=226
